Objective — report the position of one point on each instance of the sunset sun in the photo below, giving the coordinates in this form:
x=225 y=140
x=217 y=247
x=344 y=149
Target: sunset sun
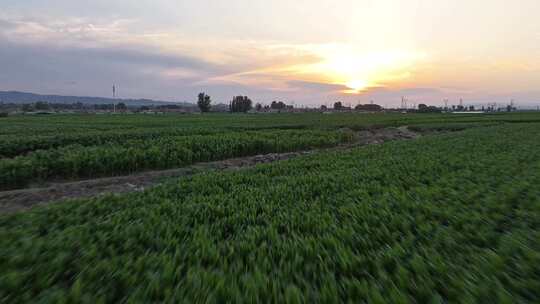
x=357 y=85
x=358 y=70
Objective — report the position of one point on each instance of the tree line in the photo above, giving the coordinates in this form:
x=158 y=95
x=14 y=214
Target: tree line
x=240 y=104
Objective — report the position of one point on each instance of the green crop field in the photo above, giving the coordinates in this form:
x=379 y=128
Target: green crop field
x=450 y=217
x=66 y=147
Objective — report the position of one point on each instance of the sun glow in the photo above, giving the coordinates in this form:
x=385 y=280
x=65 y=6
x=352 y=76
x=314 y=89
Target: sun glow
x=350 y=70
x=359 y=70
x=357 y=85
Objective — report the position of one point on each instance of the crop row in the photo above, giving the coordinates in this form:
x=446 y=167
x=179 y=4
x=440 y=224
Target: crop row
x=17 y=134
x=134 y=155
x=15 y=145
x=452 y=218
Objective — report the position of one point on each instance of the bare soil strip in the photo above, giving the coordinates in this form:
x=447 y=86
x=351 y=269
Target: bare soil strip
x=23 y=199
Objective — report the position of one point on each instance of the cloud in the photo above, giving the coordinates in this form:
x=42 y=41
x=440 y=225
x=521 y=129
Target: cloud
x=78 y=49
x=82 y=56
x=43 y=68
x=317 y=86
x=76 y=56
x=6 y=25
x=67 y=32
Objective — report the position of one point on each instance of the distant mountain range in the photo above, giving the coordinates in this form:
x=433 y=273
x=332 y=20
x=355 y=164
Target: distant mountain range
x=23 y=97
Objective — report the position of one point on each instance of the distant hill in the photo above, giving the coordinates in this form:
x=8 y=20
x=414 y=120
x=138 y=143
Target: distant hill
x=23 y=97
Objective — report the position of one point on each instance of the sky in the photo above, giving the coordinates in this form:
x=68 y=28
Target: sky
x=306 y=52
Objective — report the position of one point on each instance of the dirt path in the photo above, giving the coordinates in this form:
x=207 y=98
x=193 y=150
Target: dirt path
x=17 y=200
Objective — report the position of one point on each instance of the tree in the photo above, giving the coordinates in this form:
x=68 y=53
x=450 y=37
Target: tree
x=27 y=107
x=278 y=105
x=240 y=104
x=41 y=106
x=258 y=107
x=204 y=102
x=324 y=108
x=103 y=107
x=423 y=108
x=338 y=105
x=368 y=107
x=121 y=106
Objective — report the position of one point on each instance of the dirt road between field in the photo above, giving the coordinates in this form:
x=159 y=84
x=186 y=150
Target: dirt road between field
x=24 y=199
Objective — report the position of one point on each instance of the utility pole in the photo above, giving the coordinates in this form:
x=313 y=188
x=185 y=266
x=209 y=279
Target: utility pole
x=404 y=103
x=114 y=97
